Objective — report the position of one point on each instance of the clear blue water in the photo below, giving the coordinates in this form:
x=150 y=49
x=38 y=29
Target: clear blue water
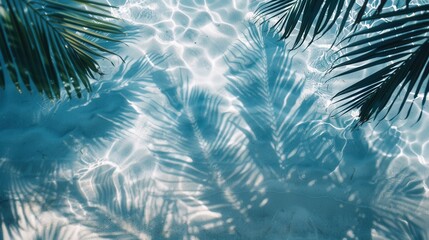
x=210 y=130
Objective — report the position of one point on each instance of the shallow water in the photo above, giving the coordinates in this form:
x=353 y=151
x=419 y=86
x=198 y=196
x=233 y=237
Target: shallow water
x=210 y=130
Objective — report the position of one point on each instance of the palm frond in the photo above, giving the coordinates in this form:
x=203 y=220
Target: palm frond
x=396 y=51
x=44 y=44
x=311 y=17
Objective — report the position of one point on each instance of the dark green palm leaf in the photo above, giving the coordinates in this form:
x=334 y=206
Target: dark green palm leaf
x=44 y=43
x=400 y=46
x=311 y=17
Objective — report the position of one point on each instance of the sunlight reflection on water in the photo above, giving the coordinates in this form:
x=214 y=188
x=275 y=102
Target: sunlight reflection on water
x=208 y=132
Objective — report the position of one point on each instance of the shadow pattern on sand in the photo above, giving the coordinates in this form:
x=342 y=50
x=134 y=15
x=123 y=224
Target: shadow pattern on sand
x=43 y=142
x=257 y=160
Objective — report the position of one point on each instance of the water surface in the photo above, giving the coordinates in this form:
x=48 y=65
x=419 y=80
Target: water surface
x=211 y=129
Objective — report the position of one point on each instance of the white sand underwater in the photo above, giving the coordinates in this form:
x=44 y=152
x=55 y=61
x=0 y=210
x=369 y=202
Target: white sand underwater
x=207 y=132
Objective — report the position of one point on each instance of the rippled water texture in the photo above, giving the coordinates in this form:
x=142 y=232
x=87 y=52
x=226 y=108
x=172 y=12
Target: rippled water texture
x=210 y=130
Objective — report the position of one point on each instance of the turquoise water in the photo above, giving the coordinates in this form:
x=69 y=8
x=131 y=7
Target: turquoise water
x=209 y=130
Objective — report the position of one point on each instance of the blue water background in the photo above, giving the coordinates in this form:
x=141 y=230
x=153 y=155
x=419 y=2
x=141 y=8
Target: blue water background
x=211 y=129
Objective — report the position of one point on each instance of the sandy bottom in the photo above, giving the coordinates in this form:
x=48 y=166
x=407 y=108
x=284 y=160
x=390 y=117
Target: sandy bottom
x=210 y=130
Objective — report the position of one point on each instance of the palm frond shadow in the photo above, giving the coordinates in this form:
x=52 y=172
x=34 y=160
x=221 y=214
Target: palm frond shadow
x=16 y=192
x=283 y=129
x=212 y=172
x=61 y=230
x=397 y=212
x=105 y=195
x=111 y=198
x=199 y=147
x=41 y=175
x=120 y=192
x=307 y=155
x=208 y=179
x=189 y=186
x=267 y=92
x=281 y=119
